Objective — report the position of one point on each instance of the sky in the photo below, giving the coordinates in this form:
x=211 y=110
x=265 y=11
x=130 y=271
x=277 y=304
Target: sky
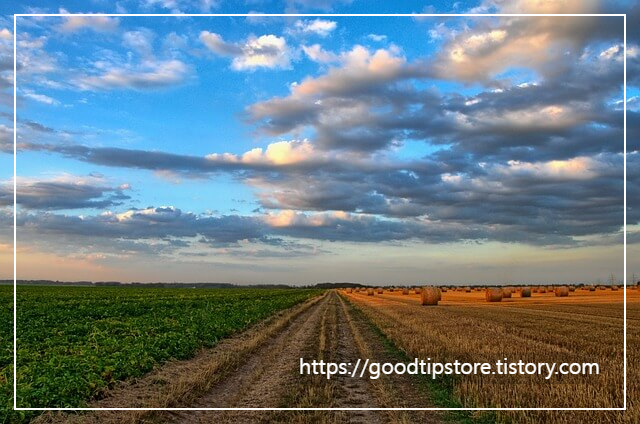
x=306 y=149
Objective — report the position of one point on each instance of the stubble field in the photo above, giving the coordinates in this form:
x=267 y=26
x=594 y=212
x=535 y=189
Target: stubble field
x=584 y=327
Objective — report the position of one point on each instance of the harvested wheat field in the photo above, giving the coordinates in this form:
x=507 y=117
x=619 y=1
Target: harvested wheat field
x=582 y=327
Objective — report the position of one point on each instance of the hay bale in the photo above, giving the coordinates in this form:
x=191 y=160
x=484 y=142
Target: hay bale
x=592 y=288
x=467 y=289
x=380 y=291
x=572 y=289
x=369 y=292
x=525 y=292
x=614 y=288
x=506 y=292
x=430 y=296
x=493 y=294
x=349 y=290
x=405 y=291
x=562 y=291
x=417 y=290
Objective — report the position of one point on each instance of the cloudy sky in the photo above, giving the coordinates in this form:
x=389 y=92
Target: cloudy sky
x=323 y=148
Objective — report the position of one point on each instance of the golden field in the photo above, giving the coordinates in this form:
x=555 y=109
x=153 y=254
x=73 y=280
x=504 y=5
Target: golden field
x=585 y=327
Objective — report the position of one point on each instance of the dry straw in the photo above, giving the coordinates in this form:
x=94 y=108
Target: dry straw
x=430 y=296
x=562 y=291
x=493 y=294
x=525 y=292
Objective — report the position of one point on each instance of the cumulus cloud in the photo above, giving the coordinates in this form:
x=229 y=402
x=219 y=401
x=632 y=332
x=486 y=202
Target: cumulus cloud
x=5 y=34
x=316 y=53
x=266 y=51
x=95 y=23
x=279 y=153
x=536 y=161
x=320 y=27
x=343 y=104
x=545 y=45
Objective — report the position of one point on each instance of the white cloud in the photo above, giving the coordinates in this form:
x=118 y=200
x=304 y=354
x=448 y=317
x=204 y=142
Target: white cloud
x=5 y=34
x=216 y=44
x=266 y=51
x=95 y=23
x=360 y=66
x=319 y=27
x=41 y=98
x=318 y=54
x=148 y=75
x=140 y=41
x=377 y=37
x=279 y=153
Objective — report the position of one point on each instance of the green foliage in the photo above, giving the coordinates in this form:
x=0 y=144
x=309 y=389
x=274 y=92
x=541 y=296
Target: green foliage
x=74 y=342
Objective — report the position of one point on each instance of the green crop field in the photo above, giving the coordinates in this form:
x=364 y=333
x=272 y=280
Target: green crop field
x=74 y=342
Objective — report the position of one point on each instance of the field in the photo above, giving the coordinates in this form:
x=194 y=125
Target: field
x=74 y=342
x=584 y=327
x=97 y=338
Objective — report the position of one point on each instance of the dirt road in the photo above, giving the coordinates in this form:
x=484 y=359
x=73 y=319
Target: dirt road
x=260 y=368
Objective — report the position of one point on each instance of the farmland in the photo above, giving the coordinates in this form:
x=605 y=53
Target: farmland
x=105 y=336
x=584 y=327
x=74 y=342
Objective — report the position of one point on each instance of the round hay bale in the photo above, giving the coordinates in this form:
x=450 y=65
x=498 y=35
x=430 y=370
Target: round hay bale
x=430 y=296
x=467 y=289
x=572 y=289
x=562 y=291
x=444 y=289
x=525 y=292
x=405 y=291
x=349 y=290
x=417 y=291
x=614 y=288
x=592 y=288
x=506 y=293
x=369 y=292
x=380 y=291
x=493 y=294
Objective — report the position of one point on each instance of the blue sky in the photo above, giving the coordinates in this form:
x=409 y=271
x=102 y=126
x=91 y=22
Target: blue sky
x=324 y=148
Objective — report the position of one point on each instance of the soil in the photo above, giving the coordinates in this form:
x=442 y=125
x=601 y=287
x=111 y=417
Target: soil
x=260 y=368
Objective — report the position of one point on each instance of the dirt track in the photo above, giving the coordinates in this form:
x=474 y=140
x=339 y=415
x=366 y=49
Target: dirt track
x=260 y=368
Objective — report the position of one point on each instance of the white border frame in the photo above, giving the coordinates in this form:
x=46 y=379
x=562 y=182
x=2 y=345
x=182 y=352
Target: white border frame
x=414 y=15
